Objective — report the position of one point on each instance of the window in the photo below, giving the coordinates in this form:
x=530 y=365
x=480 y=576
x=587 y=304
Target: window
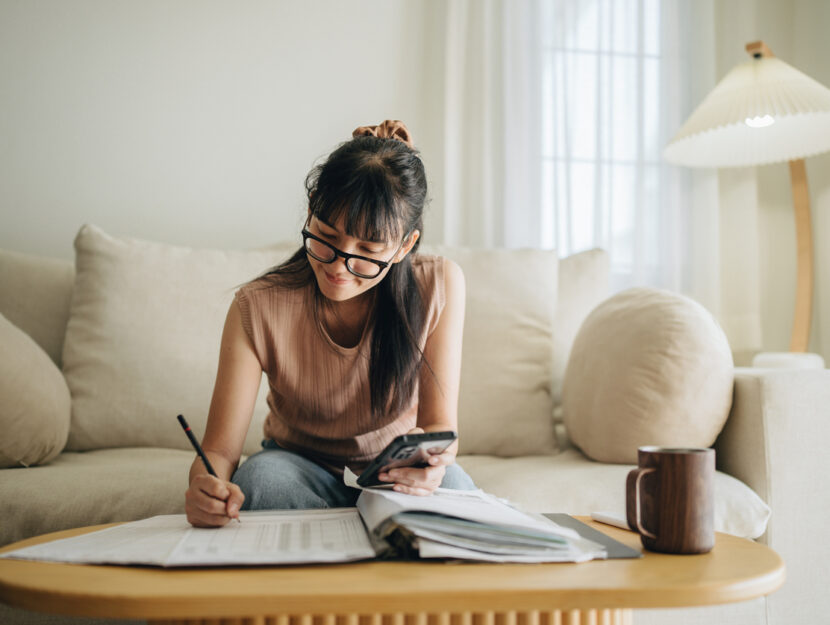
x=603 y=132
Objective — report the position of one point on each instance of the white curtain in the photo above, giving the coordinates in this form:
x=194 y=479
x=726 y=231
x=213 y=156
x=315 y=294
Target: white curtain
x=556 y=113
x=492 y=107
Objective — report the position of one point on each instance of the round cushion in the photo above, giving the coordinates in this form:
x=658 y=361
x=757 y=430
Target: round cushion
x=648 y=367
x=36 y=406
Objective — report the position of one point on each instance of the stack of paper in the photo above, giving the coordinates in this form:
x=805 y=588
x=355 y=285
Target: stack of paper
x=472 y=525
x=439 y=536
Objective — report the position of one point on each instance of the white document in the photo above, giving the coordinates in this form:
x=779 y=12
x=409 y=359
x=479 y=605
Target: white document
x=378 y=504
x=149 y=541
x=278 y=537
x=272 y=537
x=474 y=505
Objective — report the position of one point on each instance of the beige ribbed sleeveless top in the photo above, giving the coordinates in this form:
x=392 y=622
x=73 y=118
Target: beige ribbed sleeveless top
x=318 y=390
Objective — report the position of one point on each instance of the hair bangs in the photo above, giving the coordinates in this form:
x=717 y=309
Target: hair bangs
x=364 y=201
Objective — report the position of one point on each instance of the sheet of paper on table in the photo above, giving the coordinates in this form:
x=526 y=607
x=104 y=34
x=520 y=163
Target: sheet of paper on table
x=272 y=537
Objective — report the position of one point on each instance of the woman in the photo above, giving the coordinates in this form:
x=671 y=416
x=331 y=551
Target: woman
x=360 y=339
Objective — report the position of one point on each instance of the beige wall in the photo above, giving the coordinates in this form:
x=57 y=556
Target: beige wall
x=193 y=121
x=757 y=226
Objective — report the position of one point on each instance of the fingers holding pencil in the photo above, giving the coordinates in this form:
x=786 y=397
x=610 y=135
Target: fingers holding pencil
x=211 y=502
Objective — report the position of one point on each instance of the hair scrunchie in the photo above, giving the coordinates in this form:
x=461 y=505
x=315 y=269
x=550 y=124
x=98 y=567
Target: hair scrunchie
x=389 y=129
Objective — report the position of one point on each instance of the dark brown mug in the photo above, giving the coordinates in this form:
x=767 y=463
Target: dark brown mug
x=670 y=499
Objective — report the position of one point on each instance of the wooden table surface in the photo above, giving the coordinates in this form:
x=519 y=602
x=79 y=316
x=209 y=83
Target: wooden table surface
x=735 y=570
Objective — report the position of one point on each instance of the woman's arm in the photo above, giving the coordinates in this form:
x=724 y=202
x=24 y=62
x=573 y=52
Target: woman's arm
x=213 y=501
x=438 y=387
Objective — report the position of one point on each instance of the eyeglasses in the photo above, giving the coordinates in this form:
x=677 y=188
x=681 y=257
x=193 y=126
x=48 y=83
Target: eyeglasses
x=360 y=266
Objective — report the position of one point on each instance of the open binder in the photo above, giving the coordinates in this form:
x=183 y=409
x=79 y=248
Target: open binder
x=469 y=525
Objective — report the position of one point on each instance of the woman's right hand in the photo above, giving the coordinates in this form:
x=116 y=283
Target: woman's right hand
x=211 y=502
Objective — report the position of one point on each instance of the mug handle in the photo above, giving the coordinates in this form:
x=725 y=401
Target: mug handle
x=638 y=474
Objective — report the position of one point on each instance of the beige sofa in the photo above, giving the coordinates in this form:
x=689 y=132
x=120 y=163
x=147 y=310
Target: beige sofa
x=99 y=356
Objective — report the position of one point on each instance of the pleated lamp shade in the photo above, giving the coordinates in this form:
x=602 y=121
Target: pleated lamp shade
x=763 y=111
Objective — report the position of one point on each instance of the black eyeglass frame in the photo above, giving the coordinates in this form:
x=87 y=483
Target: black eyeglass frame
x=382 y=264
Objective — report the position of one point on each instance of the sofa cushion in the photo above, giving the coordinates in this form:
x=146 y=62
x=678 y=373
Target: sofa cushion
x=93 y=487
x=648 y=367
x=569 y=482
x=35 y=405
x=505 y=405
x=142 y=342
x=583 y=284
x=34 y=295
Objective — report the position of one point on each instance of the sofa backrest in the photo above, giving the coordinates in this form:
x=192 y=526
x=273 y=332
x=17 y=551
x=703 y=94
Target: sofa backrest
x=137 y=354
x=35 y=293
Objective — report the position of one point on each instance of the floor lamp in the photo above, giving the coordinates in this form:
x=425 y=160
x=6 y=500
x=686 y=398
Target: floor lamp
x=764 y=111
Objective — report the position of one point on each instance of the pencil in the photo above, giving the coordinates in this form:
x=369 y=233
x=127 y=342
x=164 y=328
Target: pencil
x=198 y=448
x=196 y=445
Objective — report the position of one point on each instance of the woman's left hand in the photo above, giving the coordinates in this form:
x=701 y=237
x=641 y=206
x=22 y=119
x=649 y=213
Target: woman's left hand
x=419 y=480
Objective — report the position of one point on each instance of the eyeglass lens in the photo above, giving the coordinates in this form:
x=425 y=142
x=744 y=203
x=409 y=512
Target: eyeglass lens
x=326 y=254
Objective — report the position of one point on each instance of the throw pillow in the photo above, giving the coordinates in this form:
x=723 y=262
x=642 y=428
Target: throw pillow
x=505 y=405
x=34 y=413
x=648 y=367
x=142 y=342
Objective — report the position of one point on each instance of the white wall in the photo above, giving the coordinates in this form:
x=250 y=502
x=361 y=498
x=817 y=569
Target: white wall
x=193 y=121
x=196 y=121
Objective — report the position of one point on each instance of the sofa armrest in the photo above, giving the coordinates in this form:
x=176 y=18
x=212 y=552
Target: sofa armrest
x=776 y=441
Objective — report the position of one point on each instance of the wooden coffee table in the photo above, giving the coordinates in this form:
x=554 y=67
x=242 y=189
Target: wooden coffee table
x=397 y=593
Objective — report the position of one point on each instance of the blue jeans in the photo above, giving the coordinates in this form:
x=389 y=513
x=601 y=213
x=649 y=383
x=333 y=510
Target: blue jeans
x=277 y=479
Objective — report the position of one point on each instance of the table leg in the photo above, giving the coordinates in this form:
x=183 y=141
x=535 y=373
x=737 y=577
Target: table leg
x=555 y=617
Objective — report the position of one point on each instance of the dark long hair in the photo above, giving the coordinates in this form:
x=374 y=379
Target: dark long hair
x=378 y=186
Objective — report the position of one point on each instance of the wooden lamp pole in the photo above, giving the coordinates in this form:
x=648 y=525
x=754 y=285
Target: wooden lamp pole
x=804 y=238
